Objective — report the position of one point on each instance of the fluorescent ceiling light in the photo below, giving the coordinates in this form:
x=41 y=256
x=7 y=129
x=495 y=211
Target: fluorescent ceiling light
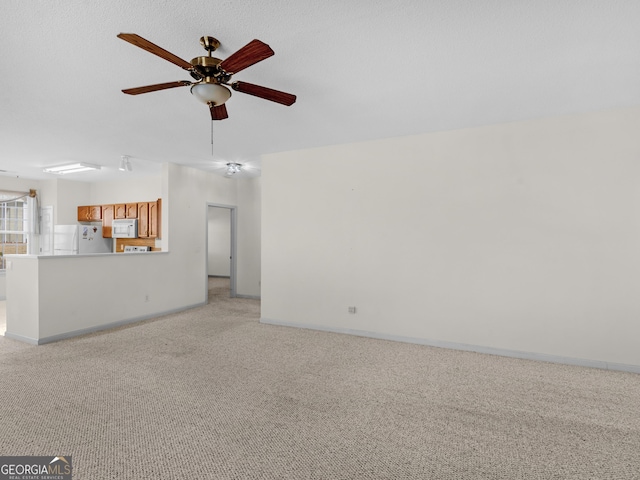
x=71 y=168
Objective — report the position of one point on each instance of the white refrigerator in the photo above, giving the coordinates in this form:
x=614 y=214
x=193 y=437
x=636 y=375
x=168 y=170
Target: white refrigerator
x=80 y=239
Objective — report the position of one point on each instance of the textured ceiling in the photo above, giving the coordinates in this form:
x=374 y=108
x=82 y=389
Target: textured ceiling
x=362 y=69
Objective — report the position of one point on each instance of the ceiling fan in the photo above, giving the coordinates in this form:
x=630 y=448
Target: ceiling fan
x=211 y=74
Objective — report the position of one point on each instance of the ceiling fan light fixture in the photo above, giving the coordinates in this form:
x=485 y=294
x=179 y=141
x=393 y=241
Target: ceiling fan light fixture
x=233 y=168
x=211 y=93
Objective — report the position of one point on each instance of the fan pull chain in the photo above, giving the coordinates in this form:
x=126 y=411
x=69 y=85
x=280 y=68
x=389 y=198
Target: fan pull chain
x=211 y=137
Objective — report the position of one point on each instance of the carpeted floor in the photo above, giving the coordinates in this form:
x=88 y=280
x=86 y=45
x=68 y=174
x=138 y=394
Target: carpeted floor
x=212 y=394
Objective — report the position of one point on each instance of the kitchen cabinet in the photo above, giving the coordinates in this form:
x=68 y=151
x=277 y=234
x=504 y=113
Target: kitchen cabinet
x=132 y=210
x=126 y=210
x=107 y=219
x=149 y=219
x=154 y=219
x=90 y=213
x=147 y=213
x=143 y=220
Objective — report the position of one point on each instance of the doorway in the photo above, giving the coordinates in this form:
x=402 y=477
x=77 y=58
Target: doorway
x=221 y=245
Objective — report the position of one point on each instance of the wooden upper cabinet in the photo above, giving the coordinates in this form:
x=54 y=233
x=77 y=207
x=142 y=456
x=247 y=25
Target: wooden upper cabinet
x=107 y=219
x=154 y=218
x=147 y=213
x=120 y=211
x=131 y=210
x=126 y=210
x=149 y=225
x=143 y=219
x=90 y=213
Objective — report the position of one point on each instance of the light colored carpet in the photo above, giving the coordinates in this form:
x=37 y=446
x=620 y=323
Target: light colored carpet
x=212 y=394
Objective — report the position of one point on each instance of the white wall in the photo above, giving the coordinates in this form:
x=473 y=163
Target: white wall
x=17 y=184
x=50 y=296
x=249 y=237
x=22 y=284
x=69 y=194
x=64 y=195
x=126 y=190
x=189 y=192
x=518 y=237
x=219 y=236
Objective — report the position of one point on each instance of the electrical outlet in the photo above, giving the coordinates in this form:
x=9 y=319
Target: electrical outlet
x=146 y=298
x=352 y=309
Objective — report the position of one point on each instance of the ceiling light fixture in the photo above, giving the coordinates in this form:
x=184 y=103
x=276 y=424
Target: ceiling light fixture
x=71 y=168
x=211 y=93
x=233 y=168
x=125 y=164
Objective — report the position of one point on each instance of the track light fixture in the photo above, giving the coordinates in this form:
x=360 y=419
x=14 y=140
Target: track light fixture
x=125 y=164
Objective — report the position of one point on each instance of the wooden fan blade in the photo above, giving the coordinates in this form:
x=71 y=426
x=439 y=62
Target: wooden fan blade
x=156 y=87
x=264 y=92
x=138 y=41
x=253 y=52
x=218 y=112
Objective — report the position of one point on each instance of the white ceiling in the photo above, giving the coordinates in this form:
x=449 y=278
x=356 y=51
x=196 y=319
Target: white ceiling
x=362 y=69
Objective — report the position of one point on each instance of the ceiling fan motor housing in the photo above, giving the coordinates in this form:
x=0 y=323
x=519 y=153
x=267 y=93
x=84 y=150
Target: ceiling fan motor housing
x=208 y=67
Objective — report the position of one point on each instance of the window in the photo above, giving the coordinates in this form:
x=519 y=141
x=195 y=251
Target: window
x=13 y=237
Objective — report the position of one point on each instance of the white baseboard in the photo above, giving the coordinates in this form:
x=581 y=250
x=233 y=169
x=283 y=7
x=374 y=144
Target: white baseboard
x=469 y=348
x=20 y=338
x=96 y=328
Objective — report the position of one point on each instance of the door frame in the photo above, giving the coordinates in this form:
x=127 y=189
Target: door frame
x=233 y=262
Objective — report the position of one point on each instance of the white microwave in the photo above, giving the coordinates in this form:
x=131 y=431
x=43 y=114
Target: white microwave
x=124 y=228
